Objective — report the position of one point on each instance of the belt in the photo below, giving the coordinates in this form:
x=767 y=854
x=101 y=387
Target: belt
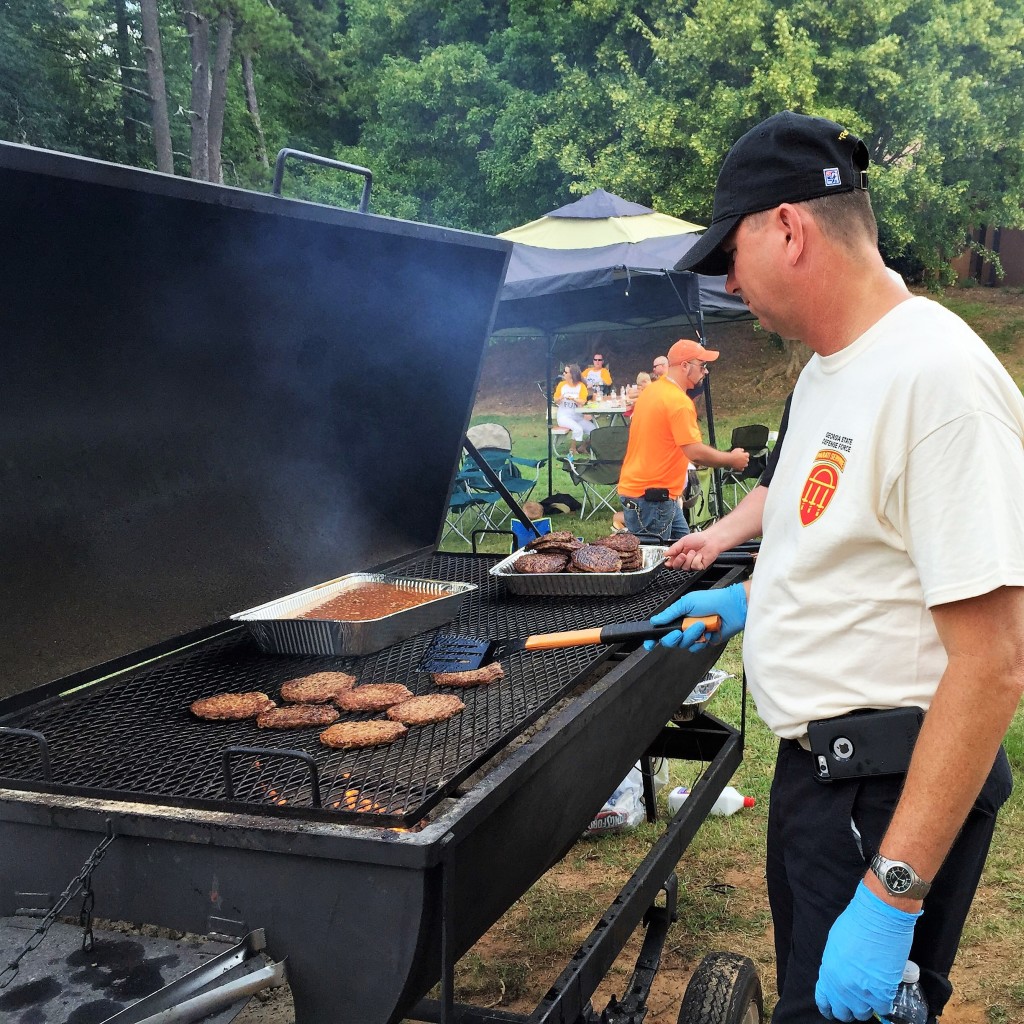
x=801 y=741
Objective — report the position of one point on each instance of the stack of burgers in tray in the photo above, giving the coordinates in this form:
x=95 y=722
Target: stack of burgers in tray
x=562 y=552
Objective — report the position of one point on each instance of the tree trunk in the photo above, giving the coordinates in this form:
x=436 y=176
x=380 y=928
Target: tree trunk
x=219 y=93
x=796 y=356
x=126 y=67
x=254 y=108
x=198 y=29
x=157 y=87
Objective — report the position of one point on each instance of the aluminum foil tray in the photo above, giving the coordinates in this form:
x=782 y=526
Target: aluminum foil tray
x=700 y=695
x=580 y=584
x=275 y=628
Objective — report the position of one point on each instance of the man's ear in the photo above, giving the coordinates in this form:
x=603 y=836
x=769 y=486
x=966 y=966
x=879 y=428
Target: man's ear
x=790 y=221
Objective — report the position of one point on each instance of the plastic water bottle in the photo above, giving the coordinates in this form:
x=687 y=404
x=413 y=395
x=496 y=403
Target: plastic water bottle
x=730 y=801
x=910 y=1005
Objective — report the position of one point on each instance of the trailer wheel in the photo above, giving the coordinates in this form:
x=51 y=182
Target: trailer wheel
x=725 y=989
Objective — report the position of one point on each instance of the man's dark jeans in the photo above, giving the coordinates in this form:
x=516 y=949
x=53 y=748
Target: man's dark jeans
x=654 y=522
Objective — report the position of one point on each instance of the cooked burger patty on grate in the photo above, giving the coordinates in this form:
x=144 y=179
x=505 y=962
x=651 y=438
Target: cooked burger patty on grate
x=434 y=707
x=294 y=716
x=317 y=688
x=231 y=705
x=592 y=558
x=624 y=543
x=475 y=677
x=373 y=697
x=349 y=735
x=540 y=563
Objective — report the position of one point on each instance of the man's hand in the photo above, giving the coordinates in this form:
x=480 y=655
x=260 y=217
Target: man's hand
x=864 y=957
x=694 y=551
x=738 y=459
x=730 y=603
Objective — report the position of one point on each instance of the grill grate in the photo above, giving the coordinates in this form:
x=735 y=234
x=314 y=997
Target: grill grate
x=134 y=737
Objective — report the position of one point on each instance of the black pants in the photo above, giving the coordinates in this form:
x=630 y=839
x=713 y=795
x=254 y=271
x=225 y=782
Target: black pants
x=815 y=861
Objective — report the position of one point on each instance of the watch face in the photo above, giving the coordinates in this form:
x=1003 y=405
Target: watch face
x=898 y=880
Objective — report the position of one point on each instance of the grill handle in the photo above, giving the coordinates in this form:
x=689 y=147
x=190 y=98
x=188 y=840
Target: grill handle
x=313 y=158
x=44 y=747
x=297 y=755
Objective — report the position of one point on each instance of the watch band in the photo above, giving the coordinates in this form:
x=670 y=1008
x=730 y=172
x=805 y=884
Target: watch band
x=899 y=878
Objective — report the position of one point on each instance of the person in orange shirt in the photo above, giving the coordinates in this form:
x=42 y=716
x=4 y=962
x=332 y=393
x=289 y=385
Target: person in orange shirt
x=664 y=438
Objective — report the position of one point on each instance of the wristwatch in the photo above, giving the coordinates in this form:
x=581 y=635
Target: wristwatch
x=899 y=878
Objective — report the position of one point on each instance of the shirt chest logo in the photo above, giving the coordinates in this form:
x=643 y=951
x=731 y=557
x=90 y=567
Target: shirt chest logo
x=820 y=485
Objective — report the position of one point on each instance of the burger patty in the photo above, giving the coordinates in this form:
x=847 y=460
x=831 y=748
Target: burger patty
x=593 y=558
x=474 y=677
x=434 y=707
x=540 y=563
x=318 y=688
x=231 y=705
x=294 y=716
x=624 y=543
x=554 y=539
x=349 y=735
x=373 y=697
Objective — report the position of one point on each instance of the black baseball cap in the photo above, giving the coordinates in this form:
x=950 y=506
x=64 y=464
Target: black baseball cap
x=787 y=158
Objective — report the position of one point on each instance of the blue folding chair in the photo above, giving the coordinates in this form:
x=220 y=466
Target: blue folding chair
x=518 y=475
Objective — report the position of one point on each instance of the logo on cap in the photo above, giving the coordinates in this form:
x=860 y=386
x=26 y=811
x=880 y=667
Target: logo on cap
x=832 y=177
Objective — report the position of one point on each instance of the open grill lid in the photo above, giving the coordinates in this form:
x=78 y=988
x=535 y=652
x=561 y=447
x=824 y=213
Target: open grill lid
x=214 y=398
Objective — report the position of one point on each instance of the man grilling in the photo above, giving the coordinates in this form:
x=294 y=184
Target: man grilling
x=664 y=439
x=884 y=584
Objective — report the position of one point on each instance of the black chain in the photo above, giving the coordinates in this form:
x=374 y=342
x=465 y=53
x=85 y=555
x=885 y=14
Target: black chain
x=83 y=884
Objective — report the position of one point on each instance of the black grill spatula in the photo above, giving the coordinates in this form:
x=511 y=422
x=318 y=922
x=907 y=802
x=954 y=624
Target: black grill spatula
x=450 y=652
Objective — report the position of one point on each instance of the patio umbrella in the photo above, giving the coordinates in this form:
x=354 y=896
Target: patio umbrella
x=604 y=263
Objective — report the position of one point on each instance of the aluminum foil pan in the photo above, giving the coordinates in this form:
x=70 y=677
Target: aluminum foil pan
x=275 y=628
x=700 y=695
x=581 y=584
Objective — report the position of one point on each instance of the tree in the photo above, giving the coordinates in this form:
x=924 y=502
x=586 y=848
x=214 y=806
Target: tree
x=157 y=86
x=935 y=88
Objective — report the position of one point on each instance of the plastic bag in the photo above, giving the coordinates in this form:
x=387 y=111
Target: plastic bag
x=625 y=808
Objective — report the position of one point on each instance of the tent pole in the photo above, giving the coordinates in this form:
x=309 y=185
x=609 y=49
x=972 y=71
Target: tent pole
x=716 y=475
x=549 y=340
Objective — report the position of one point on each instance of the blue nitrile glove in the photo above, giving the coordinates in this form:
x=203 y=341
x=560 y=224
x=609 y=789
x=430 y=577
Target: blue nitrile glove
x=729 y=602
x=864 y=957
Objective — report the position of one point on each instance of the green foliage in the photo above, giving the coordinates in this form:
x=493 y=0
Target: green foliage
x=484 y=115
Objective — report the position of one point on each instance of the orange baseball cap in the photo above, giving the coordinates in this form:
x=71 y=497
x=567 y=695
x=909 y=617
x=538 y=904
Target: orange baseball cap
x=686 y=349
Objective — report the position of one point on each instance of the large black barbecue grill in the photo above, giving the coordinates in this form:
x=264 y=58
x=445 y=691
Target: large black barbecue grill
x=214 y=399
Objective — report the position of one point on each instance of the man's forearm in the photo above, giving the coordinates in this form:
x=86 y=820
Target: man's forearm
x=705 y=455
x=972 y=709
x=743 y=523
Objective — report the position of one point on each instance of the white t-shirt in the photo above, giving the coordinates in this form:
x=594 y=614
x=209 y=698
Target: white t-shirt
x=900 y=486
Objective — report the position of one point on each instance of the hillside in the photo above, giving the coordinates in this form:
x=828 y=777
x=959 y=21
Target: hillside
x=750 y=375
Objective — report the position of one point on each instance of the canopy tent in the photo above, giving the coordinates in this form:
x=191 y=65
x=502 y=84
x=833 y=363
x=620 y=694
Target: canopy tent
x=603 y=263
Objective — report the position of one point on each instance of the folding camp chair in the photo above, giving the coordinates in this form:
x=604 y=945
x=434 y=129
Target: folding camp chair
x=518 y=475
x=469 y=510
x=599 y=476
x=736 y=483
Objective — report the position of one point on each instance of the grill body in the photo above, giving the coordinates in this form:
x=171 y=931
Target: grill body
x=360 y=911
